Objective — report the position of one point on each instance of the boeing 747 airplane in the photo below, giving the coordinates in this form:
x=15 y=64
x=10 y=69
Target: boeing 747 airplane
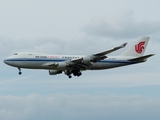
x=75 y=64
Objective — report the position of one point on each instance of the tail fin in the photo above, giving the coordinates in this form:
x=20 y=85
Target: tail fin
x=138 y=48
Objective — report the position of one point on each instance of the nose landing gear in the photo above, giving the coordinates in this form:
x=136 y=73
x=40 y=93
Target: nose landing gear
x=19 y=71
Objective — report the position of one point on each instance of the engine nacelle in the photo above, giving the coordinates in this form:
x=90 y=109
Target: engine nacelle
x=62 y=65
x=87 y=59
x=54 y=72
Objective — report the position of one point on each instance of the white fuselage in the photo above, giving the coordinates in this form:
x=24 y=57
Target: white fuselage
x=36 y=61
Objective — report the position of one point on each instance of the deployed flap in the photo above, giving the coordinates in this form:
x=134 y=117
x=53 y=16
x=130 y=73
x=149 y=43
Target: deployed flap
x=78 y=60
x=95 y=59
x=109 y=51
x=53 y=64
x=143 y=58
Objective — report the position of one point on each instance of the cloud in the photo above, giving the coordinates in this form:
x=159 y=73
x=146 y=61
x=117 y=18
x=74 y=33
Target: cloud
x=81 y=98
x=13 y=80
x=68 y=107
x=97 y=82
x=121 y=25
x=103 y=79
x=52 y=45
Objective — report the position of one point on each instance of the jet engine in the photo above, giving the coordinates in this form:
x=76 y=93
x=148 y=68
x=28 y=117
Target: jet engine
x=62 y=65
x=54 y=72
x=87 y=59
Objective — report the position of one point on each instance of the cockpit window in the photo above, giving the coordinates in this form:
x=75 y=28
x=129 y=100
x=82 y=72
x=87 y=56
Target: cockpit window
x=15 y=54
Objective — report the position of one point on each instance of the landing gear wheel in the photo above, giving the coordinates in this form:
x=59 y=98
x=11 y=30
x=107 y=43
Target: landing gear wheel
x=70 y=76
x=79 y=74
x=19 y=71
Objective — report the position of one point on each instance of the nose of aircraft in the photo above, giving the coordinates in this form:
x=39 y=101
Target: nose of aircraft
x=6 y=61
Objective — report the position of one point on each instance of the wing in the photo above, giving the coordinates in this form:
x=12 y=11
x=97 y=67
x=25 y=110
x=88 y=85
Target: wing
x=102 y=55
x=83 y=62
x=109 y=51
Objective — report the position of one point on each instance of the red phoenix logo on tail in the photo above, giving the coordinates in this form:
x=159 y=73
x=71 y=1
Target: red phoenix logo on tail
x=139 y=47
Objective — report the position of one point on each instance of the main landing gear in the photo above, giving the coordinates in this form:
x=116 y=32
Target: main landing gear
x=19 y=71
x=69 y=76
x=74 y=72
x=77 y=73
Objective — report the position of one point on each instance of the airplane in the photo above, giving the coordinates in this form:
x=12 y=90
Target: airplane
x=75 y=64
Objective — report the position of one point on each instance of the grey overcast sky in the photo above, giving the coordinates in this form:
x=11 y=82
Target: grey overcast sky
x=79 y=27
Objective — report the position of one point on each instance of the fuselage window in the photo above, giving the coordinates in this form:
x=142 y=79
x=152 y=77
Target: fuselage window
x=15 y=54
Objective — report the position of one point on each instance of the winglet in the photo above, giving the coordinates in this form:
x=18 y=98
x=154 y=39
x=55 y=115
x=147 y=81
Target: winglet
x=124 y=45
x=121 y=46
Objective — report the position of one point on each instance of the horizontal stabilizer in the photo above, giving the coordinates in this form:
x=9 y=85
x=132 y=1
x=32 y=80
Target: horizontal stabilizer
x=143 y=58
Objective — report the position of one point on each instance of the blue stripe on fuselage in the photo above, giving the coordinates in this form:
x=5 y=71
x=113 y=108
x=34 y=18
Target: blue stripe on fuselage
x=37 y=60
x=62 y=60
